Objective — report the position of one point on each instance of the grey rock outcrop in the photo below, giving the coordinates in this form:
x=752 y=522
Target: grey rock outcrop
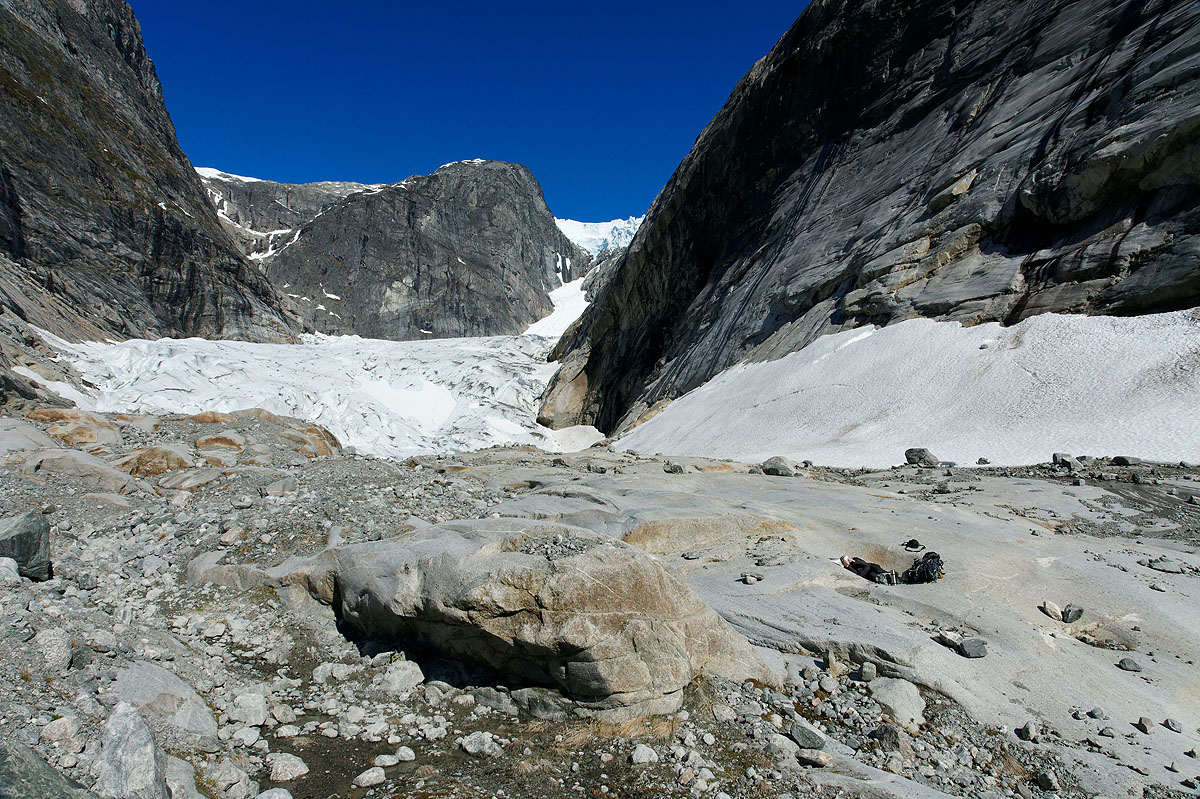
x=470 y=250
x=162 y=696
x=104 y=227
x=26 y=539
x=540 y=603
x=263 y=215
x=991 y=163
x=130 y=765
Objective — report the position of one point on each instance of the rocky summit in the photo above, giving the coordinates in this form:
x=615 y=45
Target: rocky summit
x=471 y=250
x=987 y=164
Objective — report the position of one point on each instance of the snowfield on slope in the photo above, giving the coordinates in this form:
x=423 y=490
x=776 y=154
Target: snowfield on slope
x=1094 y=385
x=386 y=398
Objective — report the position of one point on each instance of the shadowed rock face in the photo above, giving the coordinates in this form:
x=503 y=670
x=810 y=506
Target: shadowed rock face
x=104 y=227
x=990 y=162
x=470 y=250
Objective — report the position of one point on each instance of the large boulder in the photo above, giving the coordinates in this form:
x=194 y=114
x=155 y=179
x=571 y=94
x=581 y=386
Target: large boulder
x=78 y=428
x=540 y=603
x=26 y=539
x=130 y=765
x=162 y=696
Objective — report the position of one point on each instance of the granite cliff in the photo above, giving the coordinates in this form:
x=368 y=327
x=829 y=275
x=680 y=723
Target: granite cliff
x=470 y=250
x=993 y=162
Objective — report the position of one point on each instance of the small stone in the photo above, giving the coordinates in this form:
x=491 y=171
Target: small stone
x=814 y=758
x=1173 y=725
x=1108 y=732
x=828 y=684
x=750 y=579
x=869 y=671
x=372 y=776
x=779 y=466
x=1048 y=781
x=973 y=648
x=919 y=456
x=1028 y=732
x=405 y=754
x=1072 y=613
x=643 y=755
x=1128 y=664
x=386 y=761
x=1192 y=753
x=1145 y=725
x=285 y=767
x=672 y=468
x=481 y=744
x=1098 y=713
x=1052 y=610
x=806 y=736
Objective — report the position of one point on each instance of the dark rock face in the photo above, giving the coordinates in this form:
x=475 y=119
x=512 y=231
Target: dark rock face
x=262 y=215
x=103 y=224
x=467 y=251
x=989 y=162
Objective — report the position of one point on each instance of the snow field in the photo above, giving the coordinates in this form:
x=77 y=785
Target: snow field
x=1093 y=385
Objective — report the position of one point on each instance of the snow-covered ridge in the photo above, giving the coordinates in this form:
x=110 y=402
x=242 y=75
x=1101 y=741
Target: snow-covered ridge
x=216 y=174
x=598 y=237
x=1094 y=385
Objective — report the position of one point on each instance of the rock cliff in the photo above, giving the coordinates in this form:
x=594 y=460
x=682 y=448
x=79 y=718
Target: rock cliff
x=104 y=227
x=992 y=162
x=467 y=251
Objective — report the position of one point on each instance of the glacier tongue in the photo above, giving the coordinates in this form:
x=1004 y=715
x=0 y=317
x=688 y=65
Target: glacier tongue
x=385 y=398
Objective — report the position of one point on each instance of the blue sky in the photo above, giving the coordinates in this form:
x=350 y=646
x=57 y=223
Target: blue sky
x=600 y=102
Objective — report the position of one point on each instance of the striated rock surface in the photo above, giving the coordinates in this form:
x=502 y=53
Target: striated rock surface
x=467 y=251
x=104 y=226
x=991 y=163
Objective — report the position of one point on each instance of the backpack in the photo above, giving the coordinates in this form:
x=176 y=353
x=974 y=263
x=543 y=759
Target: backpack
x=926 y=569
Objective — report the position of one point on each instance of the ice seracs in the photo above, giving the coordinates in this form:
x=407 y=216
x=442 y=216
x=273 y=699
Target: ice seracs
x=598 y=237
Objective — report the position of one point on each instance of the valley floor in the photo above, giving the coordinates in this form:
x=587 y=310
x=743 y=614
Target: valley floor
x=159 y=600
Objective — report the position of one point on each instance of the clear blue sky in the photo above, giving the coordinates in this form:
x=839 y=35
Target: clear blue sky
x=601 y=101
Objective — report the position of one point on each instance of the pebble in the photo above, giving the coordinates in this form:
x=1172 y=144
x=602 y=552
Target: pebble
x=405 y=754
x=1128 y=664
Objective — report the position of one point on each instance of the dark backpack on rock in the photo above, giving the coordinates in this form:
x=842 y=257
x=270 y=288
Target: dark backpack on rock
x=926 y=569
